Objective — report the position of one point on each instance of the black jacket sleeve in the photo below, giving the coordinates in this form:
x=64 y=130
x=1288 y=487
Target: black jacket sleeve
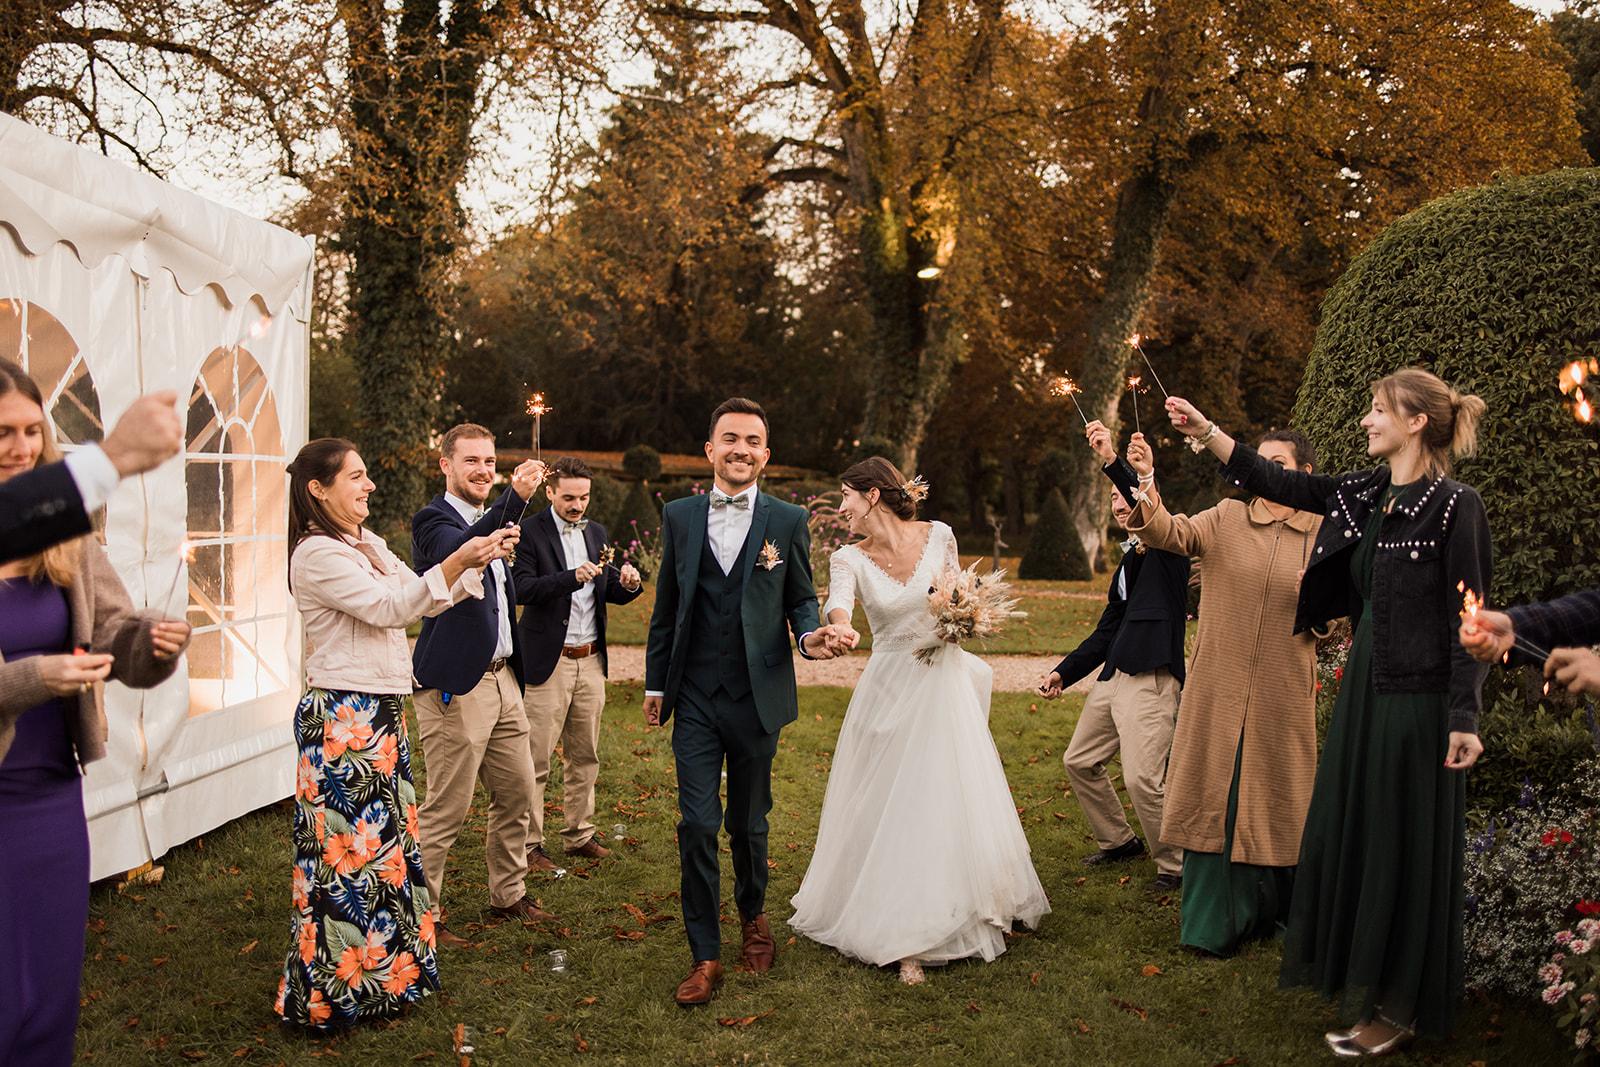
x=38 y=509
x=1567 y=622
x=1246 y=470
x=1124 y=477
x=1467 y=562
x=1091 y=653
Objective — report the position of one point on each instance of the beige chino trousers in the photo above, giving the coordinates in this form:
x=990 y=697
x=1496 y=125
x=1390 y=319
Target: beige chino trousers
x=1134 y=714
x=481 y=735
x=566 y=709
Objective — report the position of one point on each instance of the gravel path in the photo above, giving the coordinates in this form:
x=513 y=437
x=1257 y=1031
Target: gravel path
x=1012 y=674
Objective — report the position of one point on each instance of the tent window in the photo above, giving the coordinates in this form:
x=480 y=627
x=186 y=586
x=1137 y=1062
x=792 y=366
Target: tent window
x=37 y=340
x=237 y=518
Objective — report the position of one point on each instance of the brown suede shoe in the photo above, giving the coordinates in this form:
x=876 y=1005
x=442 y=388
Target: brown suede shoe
x=759 y=948
x=701 y=985
x=590 y=849
x=443 y=936
x=538 y=861
x=524 y=911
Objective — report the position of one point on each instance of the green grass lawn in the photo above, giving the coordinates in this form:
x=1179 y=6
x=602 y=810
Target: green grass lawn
x=1060 y=614
x=186 y=970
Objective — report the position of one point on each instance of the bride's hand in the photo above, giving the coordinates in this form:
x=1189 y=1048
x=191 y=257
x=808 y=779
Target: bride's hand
x=846 y=635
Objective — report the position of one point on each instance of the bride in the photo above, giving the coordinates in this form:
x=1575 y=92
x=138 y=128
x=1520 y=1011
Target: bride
x=920 y=857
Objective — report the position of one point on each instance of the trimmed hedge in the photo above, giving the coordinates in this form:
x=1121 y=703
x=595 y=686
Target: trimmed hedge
x=1495 y=290
x=1054 y=550
x=639 y=506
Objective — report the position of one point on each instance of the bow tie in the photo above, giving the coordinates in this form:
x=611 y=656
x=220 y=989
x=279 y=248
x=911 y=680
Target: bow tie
x=478 y=513
x=574 y=527
x=1133 y=544
x=721 y=500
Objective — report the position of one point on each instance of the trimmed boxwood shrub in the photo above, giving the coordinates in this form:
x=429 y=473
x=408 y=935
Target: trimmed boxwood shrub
x=1054 y=549
x=642 y=462
x=605 y=500
x=1493 y=289
x=639 y=507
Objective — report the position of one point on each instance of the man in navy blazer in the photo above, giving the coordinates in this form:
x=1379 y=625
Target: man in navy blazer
x=564 y=591
x=467 y=667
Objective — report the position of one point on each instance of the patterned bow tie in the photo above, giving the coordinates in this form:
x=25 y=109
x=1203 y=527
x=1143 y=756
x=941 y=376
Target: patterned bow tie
x=574 y=527
x=1133 y=544
x=479 y=513
x=721 y=500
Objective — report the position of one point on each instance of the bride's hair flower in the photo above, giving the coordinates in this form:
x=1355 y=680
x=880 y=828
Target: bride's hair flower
x=916 y=489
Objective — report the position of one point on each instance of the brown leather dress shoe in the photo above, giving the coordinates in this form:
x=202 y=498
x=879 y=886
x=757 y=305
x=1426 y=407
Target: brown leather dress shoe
x=590 y=849
x=701 y=985
x=538 y=861
x=443 y=936
x=524 y=911
x=759 y=948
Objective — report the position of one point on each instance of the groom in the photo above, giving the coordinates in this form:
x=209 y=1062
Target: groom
x=735 y=576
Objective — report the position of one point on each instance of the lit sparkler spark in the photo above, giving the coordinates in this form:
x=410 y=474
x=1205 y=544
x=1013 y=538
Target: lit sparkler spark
x=1136 y=340
x=1065 y=386
x=185 y=559
x=1133 y=391
x=1572 y=380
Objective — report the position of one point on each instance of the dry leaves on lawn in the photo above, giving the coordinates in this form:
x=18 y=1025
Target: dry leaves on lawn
x=745 y=1020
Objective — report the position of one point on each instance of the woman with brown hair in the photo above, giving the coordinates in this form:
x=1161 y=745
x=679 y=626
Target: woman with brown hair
x=1377 y=910
x=920 y=857
x=66 y=625
x=363 y=944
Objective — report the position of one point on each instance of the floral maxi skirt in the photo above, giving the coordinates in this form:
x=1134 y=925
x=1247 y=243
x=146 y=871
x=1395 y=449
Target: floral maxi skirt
x=362 y=944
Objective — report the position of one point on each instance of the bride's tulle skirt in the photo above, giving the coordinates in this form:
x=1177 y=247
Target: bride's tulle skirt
x=920 y=853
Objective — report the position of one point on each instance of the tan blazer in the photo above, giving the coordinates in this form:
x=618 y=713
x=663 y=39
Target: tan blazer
x=102 y=615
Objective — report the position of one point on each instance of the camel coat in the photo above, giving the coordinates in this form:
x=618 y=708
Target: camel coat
x=1249 y=676
x=101 y=613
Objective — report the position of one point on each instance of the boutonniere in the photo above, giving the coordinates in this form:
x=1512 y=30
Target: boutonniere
x=769 y=557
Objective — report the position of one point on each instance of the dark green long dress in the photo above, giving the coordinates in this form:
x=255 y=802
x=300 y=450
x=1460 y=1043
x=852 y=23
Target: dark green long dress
x=1377 y=910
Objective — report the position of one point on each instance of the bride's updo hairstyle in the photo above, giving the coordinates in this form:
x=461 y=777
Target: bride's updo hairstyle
x=1452 y=429
x=878 y=473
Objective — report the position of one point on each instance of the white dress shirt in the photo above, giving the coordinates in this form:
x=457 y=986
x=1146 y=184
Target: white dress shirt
x=502 y=579
x=94 y=474
x=581 y=627
x=728 y=526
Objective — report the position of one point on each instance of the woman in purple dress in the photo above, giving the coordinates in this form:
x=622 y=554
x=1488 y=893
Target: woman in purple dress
x=52 y=722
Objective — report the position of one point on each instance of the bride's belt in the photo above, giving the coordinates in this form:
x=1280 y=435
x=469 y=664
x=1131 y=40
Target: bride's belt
x=902 y=642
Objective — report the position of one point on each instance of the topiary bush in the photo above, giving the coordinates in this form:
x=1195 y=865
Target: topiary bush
x=605 y=500
x=638 y=510
x=1493 y=289
x=642 y=463
x=1054 y=549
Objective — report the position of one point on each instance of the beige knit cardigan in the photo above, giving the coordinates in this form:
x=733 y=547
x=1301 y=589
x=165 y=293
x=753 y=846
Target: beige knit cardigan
x=1250 y=676
x=101 y=614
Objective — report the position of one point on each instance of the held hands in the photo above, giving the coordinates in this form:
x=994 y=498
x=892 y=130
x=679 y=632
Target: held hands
x=1141 y=457
x=1186 y=418
x=71 y=674
x=652 y=711
x=586 y=572
x=1100 y=441
x=1489 y=636
x=1576 y=668
x=1463 y=752
x=169 y=637
x=527 y=477
x=1050 y=688
x=629 y=576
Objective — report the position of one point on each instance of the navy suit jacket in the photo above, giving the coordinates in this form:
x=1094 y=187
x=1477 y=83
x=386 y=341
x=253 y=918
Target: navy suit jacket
x=457 y=646
x=545 y=585
x=39 y=509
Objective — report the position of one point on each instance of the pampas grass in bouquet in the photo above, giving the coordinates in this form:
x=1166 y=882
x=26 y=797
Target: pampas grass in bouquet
x=966 y=605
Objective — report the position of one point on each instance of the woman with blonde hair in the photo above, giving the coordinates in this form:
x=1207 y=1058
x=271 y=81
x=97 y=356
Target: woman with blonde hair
x=1377 y=909
x=66 y=625
x=362 y=944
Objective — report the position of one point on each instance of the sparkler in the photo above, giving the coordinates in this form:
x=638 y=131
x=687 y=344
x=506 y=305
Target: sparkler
x=1136 y=341
x=185 y=559
x=1573 y=378
x=538 y=409
x=1133 y=392
x=1470 y=605
x=1065 y=386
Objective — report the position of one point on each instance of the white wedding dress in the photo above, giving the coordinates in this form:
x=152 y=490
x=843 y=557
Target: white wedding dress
x=920 y=854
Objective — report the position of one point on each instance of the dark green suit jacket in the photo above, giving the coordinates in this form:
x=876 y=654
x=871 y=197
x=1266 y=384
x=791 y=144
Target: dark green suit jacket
x=777 y=601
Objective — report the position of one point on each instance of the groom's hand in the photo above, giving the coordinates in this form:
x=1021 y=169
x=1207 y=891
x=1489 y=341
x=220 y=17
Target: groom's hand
x=818 y=644
x=652 y=711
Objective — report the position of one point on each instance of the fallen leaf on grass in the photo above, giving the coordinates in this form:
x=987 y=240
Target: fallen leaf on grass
x=1033 y=979
x=132 y=1023
x=582 y=1045
x=1080 y=881
x=973 y=1008
x=620 y=934
x=1150 y=970
x=251 y=947
x=790 y=941
x=1124 y=879
x=1060 y=814
x=1131 y=1009
x=1083 y=1027
x=745 y=1020
x=637 y=912
x=160 y=961
x=586 y=1001
x=1231 y=1061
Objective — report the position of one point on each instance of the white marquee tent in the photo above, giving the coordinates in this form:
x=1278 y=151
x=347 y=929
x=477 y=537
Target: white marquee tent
x=114 y=284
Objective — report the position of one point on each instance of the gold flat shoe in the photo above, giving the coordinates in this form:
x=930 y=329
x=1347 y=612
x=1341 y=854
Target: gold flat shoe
x=1344 y=1047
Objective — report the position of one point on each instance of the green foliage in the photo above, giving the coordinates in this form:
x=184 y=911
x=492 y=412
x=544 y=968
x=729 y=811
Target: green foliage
x=642 y=462
x=1055 y=470
x=1054 y=550
x=606 y=495
x=679 y=488
x=867 y=447
x=638 y=510
x=1493 y=290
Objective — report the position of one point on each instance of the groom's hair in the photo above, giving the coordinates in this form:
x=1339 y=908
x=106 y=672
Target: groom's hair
x=738 y=405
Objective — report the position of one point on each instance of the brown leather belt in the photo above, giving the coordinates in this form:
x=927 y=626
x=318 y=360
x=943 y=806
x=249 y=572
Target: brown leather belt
x=579 y=651
x=495 y=666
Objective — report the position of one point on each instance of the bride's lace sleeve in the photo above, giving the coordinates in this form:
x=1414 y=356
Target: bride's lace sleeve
x=841 y=584
x=952 y=558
